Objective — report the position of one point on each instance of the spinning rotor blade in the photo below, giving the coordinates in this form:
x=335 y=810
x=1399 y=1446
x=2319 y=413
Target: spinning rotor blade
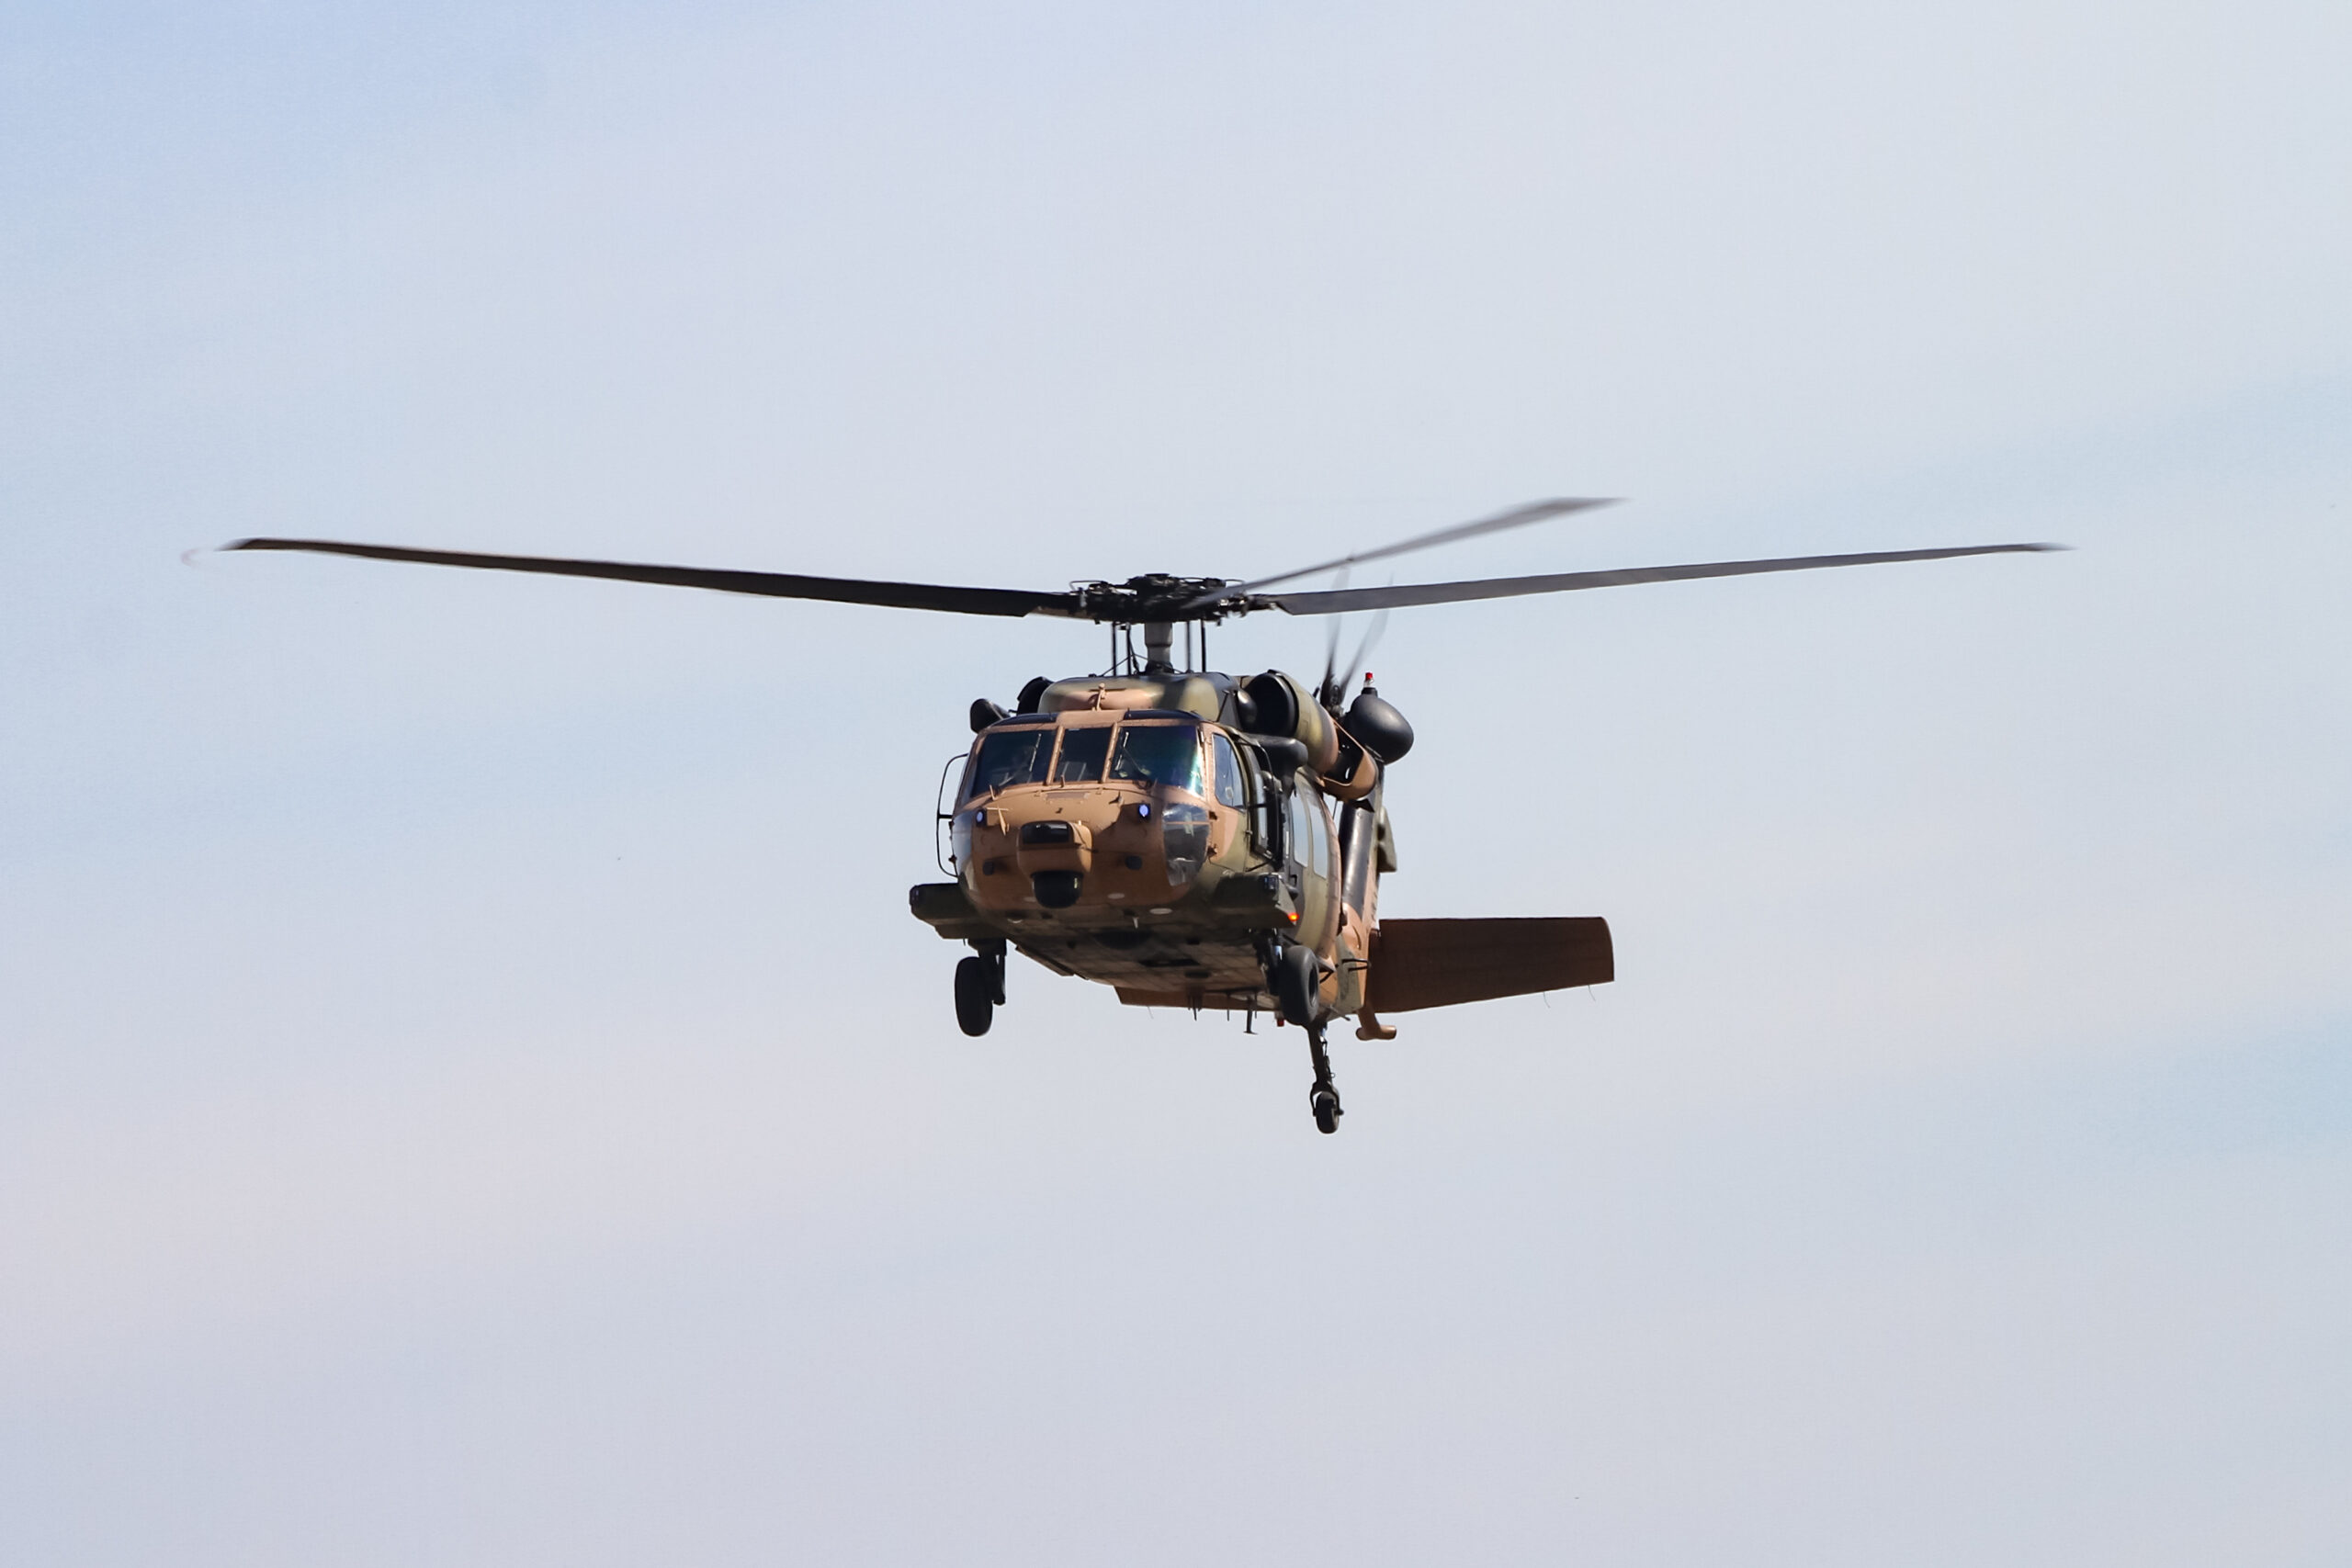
x=1363 y=649
x=1339 y=601
x=1517 y=517
x=1327 y=693
x=773 y=584
x=1338 y=677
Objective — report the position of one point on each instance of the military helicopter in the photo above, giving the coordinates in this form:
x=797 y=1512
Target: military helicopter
x=1192 y=839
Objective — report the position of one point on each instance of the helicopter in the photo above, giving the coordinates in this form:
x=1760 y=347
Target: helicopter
x=1192 y=839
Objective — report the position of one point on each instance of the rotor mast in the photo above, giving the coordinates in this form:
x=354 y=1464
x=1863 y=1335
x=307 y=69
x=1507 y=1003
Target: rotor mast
x=1158 y=637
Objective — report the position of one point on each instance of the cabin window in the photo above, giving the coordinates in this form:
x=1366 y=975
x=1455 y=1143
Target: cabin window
x=1009 y=757
x=1082 y=754
x=1166 y=756
x=1229 y=773
x=1304 y=825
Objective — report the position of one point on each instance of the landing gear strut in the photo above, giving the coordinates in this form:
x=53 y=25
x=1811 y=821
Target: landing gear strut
x=1293 y=973
x=1323 y=1098
x=979 y=987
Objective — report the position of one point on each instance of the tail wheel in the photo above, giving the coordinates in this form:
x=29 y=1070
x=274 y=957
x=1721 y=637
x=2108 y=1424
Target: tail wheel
x=976 y=993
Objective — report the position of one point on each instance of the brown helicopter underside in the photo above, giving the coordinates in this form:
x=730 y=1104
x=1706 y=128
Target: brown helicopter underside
x=1206 y=957
x=1412 y=964
x=1219 y=973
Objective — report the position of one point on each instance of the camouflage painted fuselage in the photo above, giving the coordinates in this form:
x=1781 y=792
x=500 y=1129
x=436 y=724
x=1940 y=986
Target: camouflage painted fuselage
x=1152 y=849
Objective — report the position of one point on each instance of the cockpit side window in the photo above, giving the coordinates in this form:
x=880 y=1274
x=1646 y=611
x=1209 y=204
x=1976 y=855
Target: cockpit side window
x=1165 y=755
x=1082 y=754
x=1229 y=773
x=1296 y=829
x=1009 y=757
x=1307 y=828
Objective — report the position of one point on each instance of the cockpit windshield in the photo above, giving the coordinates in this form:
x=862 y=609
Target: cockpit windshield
x=1011 y=757
x=1163 y=755
x=1157 y=756
x=1082 y=754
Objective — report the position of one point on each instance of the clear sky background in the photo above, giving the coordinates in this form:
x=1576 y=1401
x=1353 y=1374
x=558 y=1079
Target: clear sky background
x=470 y=1092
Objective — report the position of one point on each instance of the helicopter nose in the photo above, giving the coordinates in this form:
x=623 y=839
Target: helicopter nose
x=1056 y=889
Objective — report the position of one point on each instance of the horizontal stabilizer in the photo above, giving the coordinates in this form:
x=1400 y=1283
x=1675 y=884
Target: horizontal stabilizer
x=1438 y=964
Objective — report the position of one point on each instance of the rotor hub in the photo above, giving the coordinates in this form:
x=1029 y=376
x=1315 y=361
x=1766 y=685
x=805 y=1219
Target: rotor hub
x=1160 y=596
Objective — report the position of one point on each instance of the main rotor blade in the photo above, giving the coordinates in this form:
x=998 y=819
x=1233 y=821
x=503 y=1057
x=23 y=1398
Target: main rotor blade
x=773 y=584
x=1342 y=600
x=1517 y=517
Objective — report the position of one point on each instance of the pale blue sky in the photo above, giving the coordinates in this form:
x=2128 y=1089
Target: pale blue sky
x=469 y=1091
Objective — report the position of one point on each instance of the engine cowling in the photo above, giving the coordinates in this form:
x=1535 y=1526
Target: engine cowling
x=1281 y=704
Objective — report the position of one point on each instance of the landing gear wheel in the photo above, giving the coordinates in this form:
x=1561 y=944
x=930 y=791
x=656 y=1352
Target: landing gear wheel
x=1293 y=975
x=1322 y=1098
x=975 y=994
